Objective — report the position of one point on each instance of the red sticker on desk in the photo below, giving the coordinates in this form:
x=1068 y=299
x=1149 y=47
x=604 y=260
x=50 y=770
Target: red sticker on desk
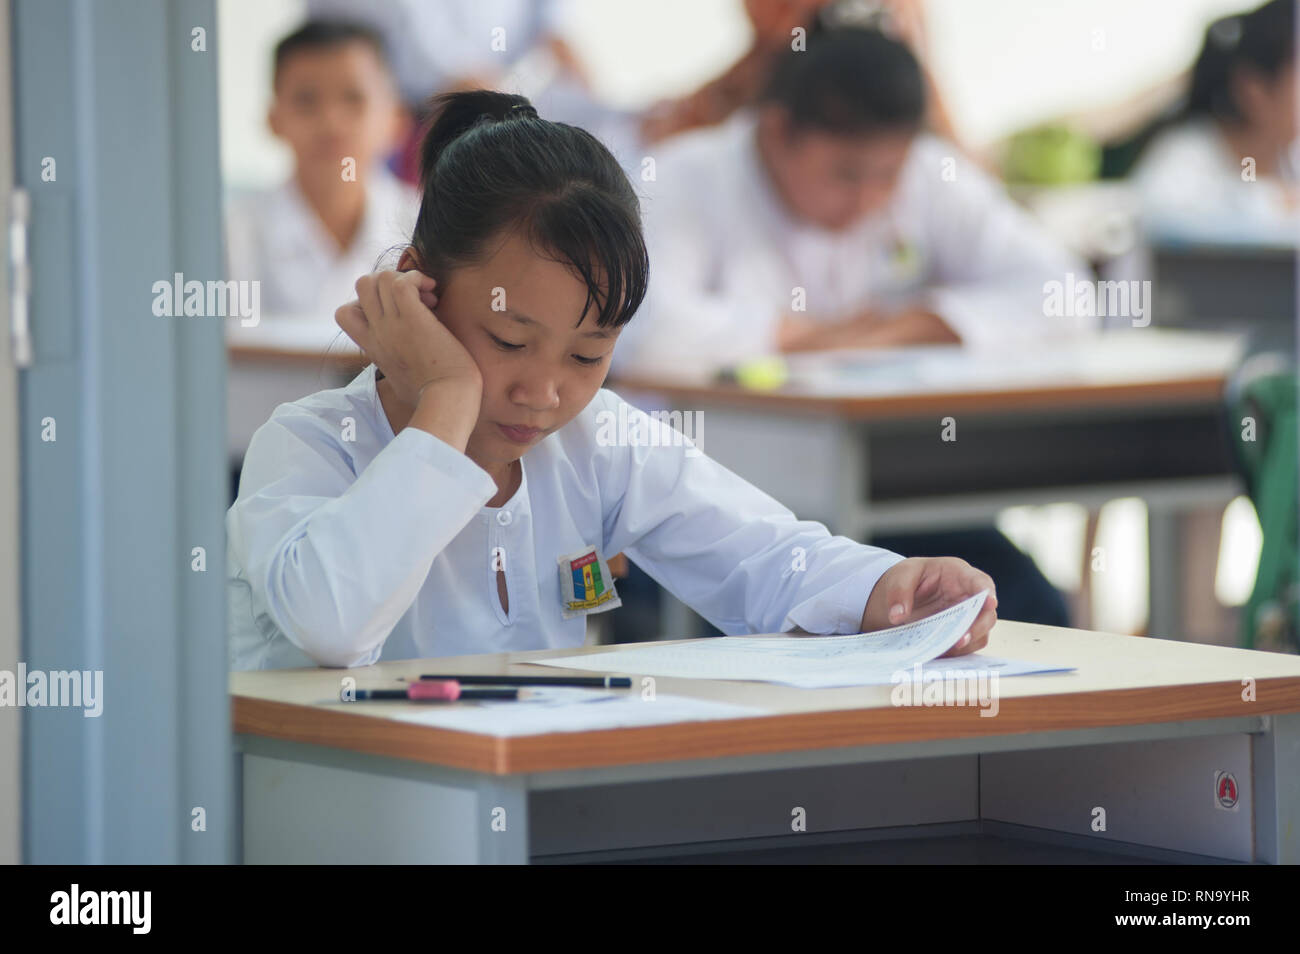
x=1225 y=791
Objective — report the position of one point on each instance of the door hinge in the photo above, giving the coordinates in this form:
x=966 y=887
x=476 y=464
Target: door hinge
x=20 y=278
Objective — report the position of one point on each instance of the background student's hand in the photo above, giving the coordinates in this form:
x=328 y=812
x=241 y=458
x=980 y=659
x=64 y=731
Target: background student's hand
x=393 y=322
x=867 y=329
x=922 y=586
x=794 y=332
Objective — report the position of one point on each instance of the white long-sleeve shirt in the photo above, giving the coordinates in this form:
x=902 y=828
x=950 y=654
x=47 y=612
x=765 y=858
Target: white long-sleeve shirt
x=432 y=44
x=727 y=257
x=342 y=552
x=277 y=239
x=1189 y=185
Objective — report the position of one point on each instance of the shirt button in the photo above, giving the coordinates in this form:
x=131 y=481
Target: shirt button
x=504 y=517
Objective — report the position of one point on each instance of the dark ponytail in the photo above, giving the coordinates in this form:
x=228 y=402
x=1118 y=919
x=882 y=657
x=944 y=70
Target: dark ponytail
x=1262 y=40
x=489 y=164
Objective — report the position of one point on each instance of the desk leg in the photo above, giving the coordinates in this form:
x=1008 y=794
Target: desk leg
x=310 y=805
x=1276 y=771
x=1164 y=561
x=237 y=834
x=852 y=463
x=503 y=820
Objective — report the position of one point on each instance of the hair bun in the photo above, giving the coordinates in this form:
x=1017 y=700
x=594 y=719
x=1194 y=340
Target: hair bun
x=454 y=114
x=1226 y=33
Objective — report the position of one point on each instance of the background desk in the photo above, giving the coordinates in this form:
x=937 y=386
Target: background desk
x=1140 y=730
x=1249 y=287
x=280 y=360
x=1131 y=414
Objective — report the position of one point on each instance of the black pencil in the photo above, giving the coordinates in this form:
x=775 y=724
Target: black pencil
x=434 y=692
x=598 y=682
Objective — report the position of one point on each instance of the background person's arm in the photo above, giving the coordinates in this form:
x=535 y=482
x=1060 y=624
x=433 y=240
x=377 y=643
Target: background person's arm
x=869 y=329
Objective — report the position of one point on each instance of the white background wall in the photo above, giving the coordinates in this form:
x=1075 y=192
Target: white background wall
x=1004 y=64
x=1001 y=64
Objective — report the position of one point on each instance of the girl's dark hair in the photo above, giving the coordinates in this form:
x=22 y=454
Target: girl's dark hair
x=1262 y=40
x=489 y=165
x=849 y=81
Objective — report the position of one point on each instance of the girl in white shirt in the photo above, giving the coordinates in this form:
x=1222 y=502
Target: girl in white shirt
x=1226 y=166
x=462 y=494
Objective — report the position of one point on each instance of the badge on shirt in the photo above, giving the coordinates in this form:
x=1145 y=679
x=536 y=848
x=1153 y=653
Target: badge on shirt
x=586 y=585
x=904 y=260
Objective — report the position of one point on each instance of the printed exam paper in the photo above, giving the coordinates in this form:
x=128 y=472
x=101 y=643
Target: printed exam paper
x=808 y=662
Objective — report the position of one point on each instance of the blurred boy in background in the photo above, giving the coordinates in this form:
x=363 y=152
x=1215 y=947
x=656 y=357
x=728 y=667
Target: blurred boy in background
x=828 y=196
x=336 y=107
x=513 y=45
x=830 y=188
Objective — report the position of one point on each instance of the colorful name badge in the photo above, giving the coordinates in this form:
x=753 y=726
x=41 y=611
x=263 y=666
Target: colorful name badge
x=903 y=261
x=586 y=585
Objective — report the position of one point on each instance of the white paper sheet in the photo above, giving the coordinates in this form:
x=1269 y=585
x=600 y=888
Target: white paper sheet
x=809 y=662
x=980 y=663
x=566 y=709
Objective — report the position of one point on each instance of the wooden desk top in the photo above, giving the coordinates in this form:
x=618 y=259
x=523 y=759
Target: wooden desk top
x=1197 y=390
x=1129 y=368
x=1120 y=680
x=294 y=341
x=351 y=362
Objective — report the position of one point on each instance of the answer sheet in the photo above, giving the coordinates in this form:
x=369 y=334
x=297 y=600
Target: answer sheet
x=808 y=662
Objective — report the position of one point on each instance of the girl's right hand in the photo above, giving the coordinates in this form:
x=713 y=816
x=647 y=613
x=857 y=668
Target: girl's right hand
x=392 y=321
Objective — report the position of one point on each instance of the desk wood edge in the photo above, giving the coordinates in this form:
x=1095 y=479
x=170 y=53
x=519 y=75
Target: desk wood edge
x=722 y=738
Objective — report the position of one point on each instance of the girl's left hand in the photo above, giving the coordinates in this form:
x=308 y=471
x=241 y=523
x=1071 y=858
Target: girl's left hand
x=922 y=586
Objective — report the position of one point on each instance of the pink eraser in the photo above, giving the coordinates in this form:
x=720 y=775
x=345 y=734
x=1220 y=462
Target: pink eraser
x=445 y=690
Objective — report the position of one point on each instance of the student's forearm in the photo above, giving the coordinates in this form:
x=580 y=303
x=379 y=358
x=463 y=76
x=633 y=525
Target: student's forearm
x=819 y=336
x=338 y=586
x=911 y=327
x=341 y=581
x=448 y=410
x=870 y=330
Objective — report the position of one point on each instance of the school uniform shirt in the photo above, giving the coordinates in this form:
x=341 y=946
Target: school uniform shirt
x=1189 y=181
x=727 y=259
x=435 y=44
x=349 y=544
x=276 y=238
